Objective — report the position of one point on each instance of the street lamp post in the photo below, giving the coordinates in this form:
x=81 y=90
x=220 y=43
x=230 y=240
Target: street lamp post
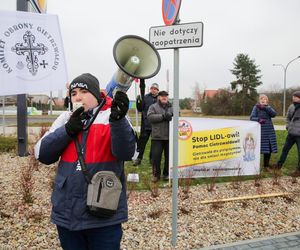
x=284 y=82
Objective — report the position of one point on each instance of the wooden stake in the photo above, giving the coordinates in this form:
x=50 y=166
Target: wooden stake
x=245 y=198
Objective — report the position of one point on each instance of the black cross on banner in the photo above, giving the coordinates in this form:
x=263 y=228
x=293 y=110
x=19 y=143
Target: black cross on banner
x=44 y=64
x=31 y=50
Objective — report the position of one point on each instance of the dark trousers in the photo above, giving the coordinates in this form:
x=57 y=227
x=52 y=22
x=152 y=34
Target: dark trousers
x=289 y=142
x=157 y=148
x=142 y=142
x=103 y=238
x=267 y=158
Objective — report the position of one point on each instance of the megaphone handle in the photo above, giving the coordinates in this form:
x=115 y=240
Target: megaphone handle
x=142 y=87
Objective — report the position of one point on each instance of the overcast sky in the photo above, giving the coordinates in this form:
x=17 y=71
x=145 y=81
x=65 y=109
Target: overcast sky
x=267 y=30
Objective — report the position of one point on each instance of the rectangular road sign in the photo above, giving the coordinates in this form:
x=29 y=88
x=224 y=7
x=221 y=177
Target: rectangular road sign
x=177 y=36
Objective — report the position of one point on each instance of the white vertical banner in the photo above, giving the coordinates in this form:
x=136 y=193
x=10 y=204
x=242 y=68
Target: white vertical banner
x=31 y=53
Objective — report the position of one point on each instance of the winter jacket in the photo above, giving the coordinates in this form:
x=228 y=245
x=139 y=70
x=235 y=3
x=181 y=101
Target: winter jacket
x=268 y=142
x=143 y=107
x=160 y=127
x=293 y=120
x=107 y=146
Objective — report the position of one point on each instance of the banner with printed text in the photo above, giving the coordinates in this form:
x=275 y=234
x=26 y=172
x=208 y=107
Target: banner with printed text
x=217 y=147
x=31 y=53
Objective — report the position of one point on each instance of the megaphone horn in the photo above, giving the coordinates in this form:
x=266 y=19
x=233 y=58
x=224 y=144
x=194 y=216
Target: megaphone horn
x=136 y=58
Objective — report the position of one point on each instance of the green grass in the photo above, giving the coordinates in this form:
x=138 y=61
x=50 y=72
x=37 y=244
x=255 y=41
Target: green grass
x=40 y=124
x=145 y=168
x=292 y=159
x=278 y=120
x=7 y=144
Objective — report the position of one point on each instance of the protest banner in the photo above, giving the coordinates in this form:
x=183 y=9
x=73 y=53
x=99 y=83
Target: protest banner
x=217 y=147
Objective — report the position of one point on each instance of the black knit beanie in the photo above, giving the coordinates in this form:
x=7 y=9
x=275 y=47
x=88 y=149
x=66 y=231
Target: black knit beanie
x=297 y=93
x=89 y=82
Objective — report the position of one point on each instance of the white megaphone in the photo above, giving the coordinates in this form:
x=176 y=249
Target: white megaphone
x=136 y=58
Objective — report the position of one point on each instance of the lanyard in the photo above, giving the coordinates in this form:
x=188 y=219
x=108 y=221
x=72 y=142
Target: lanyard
x=80 y=151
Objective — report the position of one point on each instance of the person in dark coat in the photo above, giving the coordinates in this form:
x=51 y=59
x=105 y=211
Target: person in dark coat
x=263 y=113
x=104 y=146
x=143 y=105
x=160 y=114
x=293 y=136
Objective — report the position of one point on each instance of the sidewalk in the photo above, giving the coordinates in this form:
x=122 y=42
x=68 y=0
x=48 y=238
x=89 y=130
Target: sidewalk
x=289 y=241
x=13 y=130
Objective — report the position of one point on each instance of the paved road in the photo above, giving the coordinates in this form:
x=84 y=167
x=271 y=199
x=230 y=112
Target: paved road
x=12 y=120
x=289 y=241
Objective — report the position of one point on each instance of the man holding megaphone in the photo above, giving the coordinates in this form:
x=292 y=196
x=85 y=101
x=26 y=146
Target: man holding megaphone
x=92 y=142
x=89 y=196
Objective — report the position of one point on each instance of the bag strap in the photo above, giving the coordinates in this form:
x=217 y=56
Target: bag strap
x=81 y=161
x=84 y=170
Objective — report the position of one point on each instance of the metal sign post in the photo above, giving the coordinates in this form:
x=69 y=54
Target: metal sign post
x=175 y=36
x=175 y=146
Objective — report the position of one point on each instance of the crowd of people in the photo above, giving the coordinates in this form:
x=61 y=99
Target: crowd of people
x=93 y=139
x=263 y=113
x=156 y=114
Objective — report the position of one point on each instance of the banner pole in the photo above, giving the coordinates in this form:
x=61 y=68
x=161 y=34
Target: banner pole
x=3 y=115
x=136 y=111
x=22 y=119
x=51 y=108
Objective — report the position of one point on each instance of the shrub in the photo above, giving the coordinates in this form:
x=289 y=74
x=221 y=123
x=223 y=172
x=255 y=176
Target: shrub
x=8 y=143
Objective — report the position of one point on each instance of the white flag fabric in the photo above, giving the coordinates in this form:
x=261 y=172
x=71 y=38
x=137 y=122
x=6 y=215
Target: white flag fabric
x=31 y=53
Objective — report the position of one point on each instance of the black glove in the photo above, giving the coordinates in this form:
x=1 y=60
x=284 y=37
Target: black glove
x=167 y=116
x=262 y=121
x=74 y=125
x=119 y=106
x=261 y=106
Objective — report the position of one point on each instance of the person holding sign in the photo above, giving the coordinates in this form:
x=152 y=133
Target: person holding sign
x=263 y=113
x=92 y=142
x=160 y=114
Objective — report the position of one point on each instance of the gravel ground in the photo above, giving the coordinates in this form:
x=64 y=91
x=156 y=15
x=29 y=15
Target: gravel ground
x=24 y=226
